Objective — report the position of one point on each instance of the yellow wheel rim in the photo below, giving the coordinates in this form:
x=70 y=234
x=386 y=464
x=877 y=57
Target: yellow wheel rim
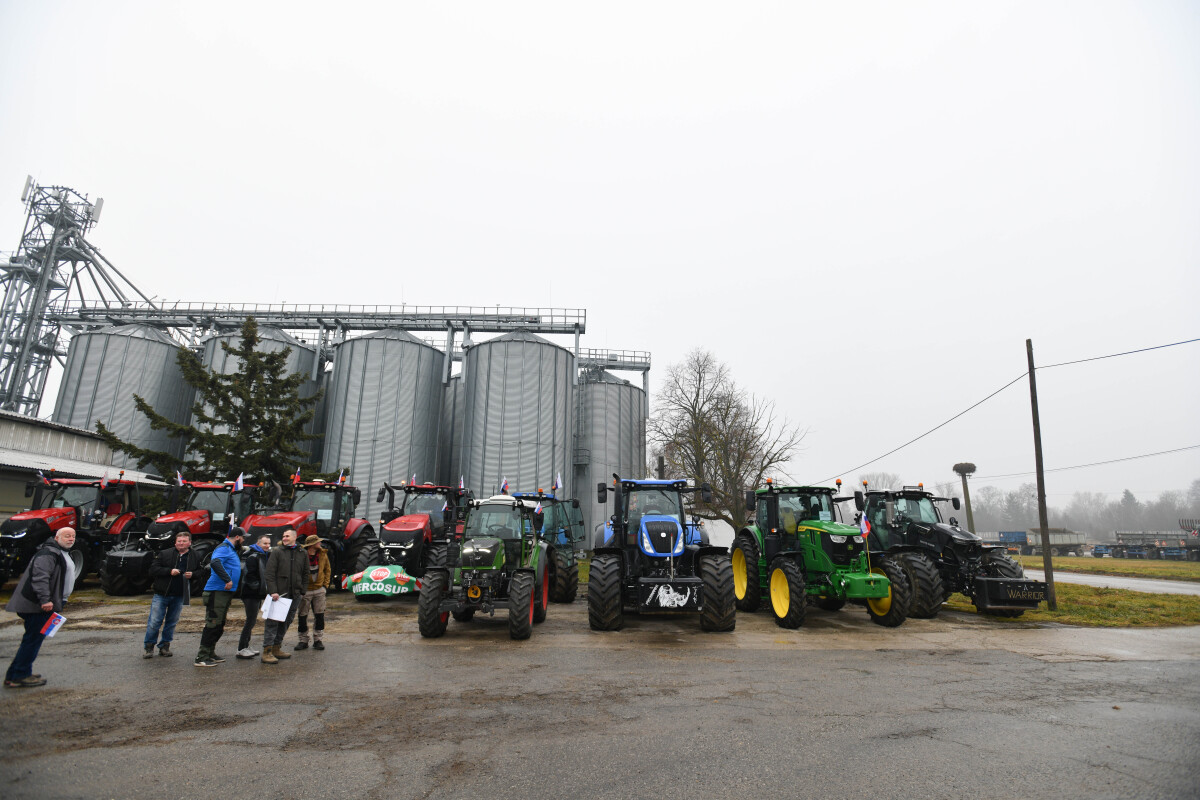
x=740 y=577
x=781 y=596
x=881 y=605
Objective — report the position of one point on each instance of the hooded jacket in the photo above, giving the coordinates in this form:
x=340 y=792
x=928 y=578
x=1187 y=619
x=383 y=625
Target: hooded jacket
x=287 y=571
x=46 y=575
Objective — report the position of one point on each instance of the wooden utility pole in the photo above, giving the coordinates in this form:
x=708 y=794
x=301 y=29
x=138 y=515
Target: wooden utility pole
x=964 y=469
x=1043 y=520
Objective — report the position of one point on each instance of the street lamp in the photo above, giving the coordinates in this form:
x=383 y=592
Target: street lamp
x=964 y=469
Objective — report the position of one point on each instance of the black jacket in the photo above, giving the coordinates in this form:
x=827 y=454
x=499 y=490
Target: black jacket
x=167 y=560
x=254 y=574
x=287 y=571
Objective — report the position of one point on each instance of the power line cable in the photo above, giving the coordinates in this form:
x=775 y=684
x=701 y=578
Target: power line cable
x=1093 y=464
x=1116 y=355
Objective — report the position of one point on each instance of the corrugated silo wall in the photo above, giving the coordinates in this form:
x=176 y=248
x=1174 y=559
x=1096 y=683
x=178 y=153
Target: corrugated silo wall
x=302 y=358
x=450 y=436
x=519 y=415
x=612 y=438
x=106 y=368
x=385 y=402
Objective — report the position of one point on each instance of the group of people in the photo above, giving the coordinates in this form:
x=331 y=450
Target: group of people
x=291 y=570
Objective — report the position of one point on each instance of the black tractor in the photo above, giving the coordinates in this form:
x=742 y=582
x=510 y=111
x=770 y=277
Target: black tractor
x=941 y=558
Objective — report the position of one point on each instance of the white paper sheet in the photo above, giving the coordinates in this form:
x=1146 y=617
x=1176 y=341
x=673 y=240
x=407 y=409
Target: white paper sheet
x=276 y=609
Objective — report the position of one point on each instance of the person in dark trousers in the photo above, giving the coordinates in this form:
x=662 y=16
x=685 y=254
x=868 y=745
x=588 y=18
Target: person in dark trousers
x=218 y=594
x=171 y=571
x=314 y=597
x=287 y=576
x=40 y=593
x=254 y=589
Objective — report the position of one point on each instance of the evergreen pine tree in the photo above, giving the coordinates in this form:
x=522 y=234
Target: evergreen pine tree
x=251 y=421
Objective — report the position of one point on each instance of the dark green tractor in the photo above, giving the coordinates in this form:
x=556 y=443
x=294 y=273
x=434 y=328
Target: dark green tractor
x=500 y=563
x=795 y=552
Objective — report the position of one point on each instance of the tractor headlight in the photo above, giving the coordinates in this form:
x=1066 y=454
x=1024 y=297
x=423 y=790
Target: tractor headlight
x=858 y=539
x=649 y=548
x=837 y=539
x=16 y=534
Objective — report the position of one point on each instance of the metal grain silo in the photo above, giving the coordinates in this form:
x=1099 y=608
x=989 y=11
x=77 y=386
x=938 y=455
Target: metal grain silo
x=612 y=438
x=302 y=358
x=382 y=419
x=106 y=368
x=518 y=414
x=450 y=435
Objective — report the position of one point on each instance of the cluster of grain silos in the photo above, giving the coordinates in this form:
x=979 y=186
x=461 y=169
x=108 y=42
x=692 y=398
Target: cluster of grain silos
x=517 y=410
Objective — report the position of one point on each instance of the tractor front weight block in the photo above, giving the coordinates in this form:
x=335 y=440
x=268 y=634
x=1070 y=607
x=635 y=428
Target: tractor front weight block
x=659 y=595
x=1008 y=593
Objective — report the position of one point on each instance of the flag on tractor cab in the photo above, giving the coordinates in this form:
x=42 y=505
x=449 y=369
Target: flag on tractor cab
x=296 y=477
x=238 y=485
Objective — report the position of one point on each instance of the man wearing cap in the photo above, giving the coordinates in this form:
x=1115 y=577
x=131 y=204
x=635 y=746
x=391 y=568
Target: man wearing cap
x=319 y=573
x=286 y=576
x=218 y=594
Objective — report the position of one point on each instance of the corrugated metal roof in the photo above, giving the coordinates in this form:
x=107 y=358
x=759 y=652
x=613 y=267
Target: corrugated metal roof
x=18 y=459
x=47 y=423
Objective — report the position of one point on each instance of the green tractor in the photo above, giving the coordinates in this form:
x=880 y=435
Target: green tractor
x=500 y=562
x=794 y=552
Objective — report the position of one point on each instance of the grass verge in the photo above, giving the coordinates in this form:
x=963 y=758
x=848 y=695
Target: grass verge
x=1124 y=567
x=1092 y=606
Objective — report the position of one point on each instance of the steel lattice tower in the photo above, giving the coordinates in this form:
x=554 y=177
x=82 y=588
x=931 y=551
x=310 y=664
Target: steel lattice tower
x=49 y=268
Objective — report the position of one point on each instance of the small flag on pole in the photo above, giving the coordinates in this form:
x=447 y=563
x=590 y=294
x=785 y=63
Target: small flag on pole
x=341 y=472
x=238 y=485
x=45 y=480
x=414 y=479
x=538 y=510
x=863 y=525
x=557 y=482
x=178 y=478
x=445 y=505
x=104 y=480
x=504 y=485
x=296 y=477
x=461 y=484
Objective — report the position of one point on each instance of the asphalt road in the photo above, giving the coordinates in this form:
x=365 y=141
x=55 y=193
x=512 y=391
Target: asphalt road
x=1151 y=585
x=954 y=707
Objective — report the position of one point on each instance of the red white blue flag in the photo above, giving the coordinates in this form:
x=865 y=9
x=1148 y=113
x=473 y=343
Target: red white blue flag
x=238 y=485
x=504 y=486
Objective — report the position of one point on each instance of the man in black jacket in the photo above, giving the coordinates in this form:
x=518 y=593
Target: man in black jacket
x=172 y=572
x=41 y=592
x=253 y=590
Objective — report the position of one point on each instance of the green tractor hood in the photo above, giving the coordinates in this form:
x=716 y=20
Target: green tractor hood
x=483 y=553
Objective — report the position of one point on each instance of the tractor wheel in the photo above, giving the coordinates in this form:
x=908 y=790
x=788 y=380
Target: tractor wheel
x=115 y=585
x=566 y=579
x=521 y=603
x=1054 y=552
x=830 y=603
x=541 y=597
x=466 y=615
x=604 y=594
x=788 y=598
x=363 y=541
x=436 y=555
x=926 y=582
x=1001 y=566
x=746 y=588
x=204 y=551
x=368 y=555
x=717 y=594
x=431 y=620
x=892 y=610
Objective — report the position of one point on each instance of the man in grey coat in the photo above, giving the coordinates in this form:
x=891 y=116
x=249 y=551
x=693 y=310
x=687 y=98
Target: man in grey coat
x=41 y=592
x=286 y=576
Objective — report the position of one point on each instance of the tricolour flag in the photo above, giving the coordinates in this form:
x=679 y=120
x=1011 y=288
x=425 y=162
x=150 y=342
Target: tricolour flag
x=341 y=472
x=445 y=505
x=414 y=479
x=461 y=484
x=538 y=510
x=557 y=482
x=178 y=478
x=863 y=525
x=504 y=485
x=296 y=477
x=45 y=480
x=104 y=480
x=238 y=485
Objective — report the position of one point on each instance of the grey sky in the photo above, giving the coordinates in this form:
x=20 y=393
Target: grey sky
x=864 y=209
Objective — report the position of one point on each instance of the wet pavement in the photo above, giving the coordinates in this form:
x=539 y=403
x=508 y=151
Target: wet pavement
x=1151 y=585
x=957 y=706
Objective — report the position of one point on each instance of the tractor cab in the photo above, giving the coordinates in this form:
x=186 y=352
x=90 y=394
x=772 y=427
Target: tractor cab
x=563 y=527
x=516 y=524
x=332 y=504
x=910 y=517
x=206 y=510
x=793 y=517
x=444 y=507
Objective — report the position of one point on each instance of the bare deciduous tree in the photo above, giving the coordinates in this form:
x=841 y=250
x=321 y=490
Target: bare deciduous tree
x=880 y=480
x=711 y=430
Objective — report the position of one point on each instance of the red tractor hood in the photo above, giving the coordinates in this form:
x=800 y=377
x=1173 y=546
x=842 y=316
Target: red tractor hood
x=410 y=523
x=55 y=518
x=194 y=519
x=293 y=518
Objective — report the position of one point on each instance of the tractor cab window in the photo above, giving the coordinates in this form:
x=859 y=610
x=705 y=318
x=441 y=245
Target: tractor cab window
x=760 y=513
x=319 y=501
x=804 y=507
x=112 y=501
x=213 y=501
x=430 y=504
x=640 y=502
x=81 y=497
x=501 y=521
x=243 y=505
x=917 y=509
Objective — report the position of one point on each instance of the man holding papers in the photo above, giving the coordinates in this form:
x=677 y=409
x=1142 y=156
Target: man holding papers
x=287 y=578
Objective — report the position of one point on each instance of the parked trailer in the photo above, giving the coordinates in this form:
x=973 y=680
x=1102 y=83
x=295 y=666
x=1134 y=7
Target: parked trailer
x=1012 y=541
x=1062 y=542
x=1178 y=545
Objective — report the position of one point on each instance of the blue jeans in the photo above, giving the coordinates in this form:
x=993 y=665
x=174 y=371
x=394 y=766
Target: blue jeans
x=31 y=643
x=164 y=613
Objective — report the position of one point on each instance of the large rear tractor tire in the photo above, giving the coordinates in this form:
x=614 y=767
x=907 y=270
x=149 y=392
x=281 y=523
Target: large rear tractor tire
x=431 y=620
x=1001 y=566
x=928 y=593
x=789 y=601
x=541 y=597
x=746 y=589
x=437 y=555
x=566 y=579
x=719 y=612
x=891 y=611
x=204 y=551
x=521 y=602
x=115 y=585
x=604 y=594
x=830 y=603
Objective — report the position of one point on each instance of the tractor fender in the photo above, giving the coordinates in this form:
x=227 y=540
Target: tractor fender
x=619 y=553
x=751 y=532
x=122 y=522
x=355 y=525
x=711 y=550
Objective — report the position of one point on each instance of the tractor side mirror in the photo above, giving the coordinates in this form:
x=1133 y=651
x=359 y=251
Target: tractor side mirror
x=858 y=501
x=890 y=512
x=29 y=487
x=601 y=493
x=954 y=502
x=750 y=502
x=379 y=495
x=705 y=493
x=574 y=503
x=356 y=494
x=539 y=520
x=954 y=521
x=276 y=493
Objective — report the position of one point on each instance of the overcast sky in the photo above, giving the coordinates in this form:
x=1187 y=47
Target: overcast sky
x=863 y=208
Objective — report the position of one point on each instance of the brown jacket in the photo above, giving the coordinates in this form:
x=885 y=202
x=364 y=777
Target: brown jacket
x=320 y=580
x=287 y=571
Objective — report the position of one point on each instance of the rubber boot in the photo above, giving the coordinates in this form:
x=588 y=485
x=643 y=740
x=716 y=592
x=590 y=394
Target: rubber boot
x=268 y=657
x=278 y=651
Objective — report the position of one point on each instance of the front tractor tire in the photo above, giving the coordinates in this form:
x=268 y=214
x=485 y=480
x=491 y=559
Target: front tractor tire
x=521 y=601
x=788 y=598
x=746 y=588
x=541 y=597
x=115 y=585
x=928 y=592
x=369 y=555
x=604 y=594
x=719 y=608
x=891 y=611
x=431 y=620
x=1000 y=565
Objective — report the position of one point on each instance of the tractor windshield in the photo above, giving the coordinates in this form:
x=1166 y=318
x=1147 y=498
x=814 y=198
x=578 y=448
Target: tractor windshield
x=799 y=507
x=502 y=521
x=214 y=501
x=426 y=503
x=82 y=497
x=642 y=501
x=322 y=502
x=918 y=509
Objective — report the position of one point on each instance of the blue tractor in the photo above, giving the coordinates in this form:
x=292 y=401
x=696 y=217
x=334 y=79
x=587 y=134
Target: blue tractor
x=654 y=562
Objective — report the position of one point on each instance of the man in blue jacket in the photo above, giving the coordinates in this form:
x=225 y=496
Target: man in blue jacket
x=218 y=594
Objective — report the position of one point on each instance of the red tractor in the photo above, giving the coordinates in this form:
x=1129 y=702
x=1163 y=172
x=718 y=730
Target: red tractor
x=100 y=511
x=207 y=511
x=326 y=510
x=416 y=534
